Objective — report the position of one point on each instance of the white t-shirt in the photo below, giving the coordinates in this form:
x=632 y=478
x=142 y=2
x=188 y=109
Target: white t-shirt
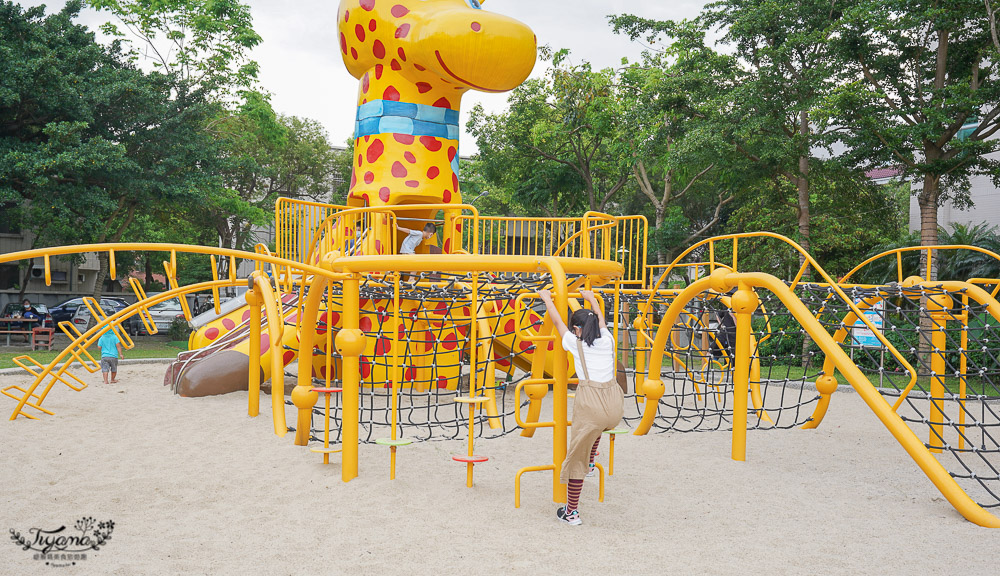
x=410 y=243
x=600 y=356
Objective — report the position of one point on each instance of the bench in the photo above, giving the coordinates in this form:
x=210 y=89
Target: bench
x=42 y=337
x=10 y=326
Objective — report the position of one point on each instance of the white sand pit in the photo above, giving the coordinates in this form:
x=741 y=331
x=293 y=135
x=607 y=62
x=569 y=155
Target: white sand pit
x=195 y=486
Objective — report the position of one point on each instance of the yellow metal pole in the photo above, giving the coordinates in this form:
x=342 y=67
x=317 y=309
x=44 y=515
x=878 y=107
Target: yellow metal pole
x=963 y=369
x=302 y=395
x=253 y=299
x=939 y=342
x=394 y=377
x=350 y=343
x=744 y=303
x=559 y=388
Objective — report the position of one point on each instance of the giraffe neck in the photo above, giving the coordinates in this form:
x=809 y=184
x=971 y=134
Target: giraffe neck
x=409 y=119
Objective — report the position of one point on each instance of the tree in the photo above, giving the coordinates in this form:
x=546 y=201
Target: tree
x=925 y=96
x=556 y=139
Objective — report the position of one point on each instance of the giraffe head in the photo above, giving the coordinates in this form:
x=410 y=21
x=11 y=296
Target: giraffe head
x=415 y=59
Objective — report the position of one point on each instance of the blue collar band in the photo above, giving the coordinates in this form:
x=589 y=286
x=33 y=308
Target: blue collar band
x=388 y=117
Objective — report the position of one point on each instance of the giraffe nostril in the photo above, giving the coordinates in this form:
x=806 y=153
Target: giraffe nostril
x=476 y=27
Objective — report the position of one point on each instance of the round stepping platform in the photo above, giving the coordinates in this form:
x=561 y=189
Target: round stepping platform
x=618 y=431
x=391 y=442
x=471 y=399
x=325 y=450
x=326 y=390
x=470 y=459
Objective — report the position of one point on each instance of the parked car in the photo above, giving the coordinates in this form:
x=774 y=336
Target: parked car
x=13 y=310
x=64 y=311
x=163 y=315
x=81 y=317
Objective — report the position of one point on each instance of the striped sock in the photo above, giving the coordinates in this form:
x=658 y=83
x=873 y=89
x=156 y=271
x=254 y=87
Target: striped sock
x=593 y=451
x=573 y=494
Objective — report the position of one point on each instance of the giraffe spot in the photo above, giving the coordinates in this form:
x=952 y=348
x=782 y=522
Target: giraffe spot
x=524 y=345
x=423 y=87
x=410 y=157
x=395 y=65
x=391 y=94
x=335 y=319
x=246 y=315
x=287 y=357
x=442 y=382
x=364 y=83
x=354 y=179
x=509 y=326
x=321 y=324
x=399 y=10
x=378 y=49
x=447 y=246
x=354 y=53
x=365 y=323
x=265 y=344
x=433 y=172
x=365 y=365
x=374 y=152
x=503 y=362
x=463 y=329
x=410 y=374
x=367 y=137
x=371 y=25
x=383 y=194
x=412 y=183
x=365 y=198
x=551 y=347
x=212 y=333
x=343 y=43
x=446 y=196
x=378 y=246
x=419 y=67
x=402 y=31
x=228 y=323
x=383 y=346
x=428 y=340
x=458 y=226
x=403 y=138
x=476 y=27
x=359 y=31
x=369 y=177
x=378 y=71
x=398 y=170
x=443 y=103
x=454 y=181
x=451 y=153
x=402 y=54
x=431 y=143
x=450 y=342
x=368 y=5
x=347 y=15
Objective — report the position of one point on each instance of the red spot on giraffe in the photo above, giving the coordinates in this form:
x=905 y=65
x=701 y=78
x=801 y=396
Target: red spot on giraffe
x=412 y=183
x=383 y=194
x=265 y=344
x=399 y=10
x=365 y=197
x=431 y=143
x=321 y=325
x=410 y=157
x=354 y=179
x=464 y=328
x=378 y=49
x=383 y=346
x=447 y=246
x=212 y=333
x=367 y=137
x=509 y=326
x=364 y=83
x=458 y=227
x=524 y=345
x=369 y=177
x=419 y=67
x=374 y=152
x=446 y=196
x=366 y=366
x=551 y=347
x=450 y=342
x=395 y=65
x=371 y=25
x=476 y=27
x=442 y=382
x=410 y=374
x=402 y=54
x=423 y=87
x=365 y=323
x=403 y=138
x=442 y=103
x=354 y=53
x=503 y=362
x=398 y=170
x=343 y=43
x=246 y=315
x=228 y=323
x=391 y=94
x=287 y=357
x=454 y=181
x=402 y=31
x=441 y=308
x=451 y=153
x=428 y=341
x=378 y=246
x=368 y=5
x=347 y=15
x=334 y=319
x=378 y=71
x=433 y=172
x=359 y=31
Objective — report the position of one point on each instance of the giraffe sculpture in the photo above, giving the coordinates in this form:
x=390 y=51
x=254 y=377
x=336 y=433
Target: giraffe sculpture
x=415 y=59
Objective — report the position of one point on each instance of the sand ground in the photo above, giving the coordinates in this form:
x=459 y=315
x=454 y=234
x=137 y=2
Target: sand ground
x=194 y=486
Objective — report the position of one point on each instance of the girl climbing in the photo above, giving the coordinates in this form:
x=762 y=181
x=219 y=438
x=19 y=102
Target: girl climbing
x=599 y=403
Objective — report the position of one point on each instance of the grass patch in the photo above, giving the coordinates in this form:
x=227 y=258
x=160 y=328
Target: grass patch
x=142 y=349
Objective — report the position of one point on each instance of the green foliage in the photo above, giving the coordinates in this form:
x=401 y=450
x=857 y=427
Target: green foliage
x=179 y=330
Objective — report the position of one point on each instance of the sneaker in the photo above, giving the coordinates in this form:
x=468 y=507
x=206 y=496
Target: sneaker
x=572 y=518
x=592 y=472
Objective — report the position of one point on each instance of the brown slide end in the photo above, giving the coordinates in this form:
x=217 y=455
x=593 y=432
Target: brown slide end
x=221 y=373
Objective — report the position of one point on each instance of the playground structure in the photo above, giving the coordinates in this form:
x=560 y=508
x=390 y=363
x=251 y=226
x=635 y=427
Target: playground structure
x=452 y=343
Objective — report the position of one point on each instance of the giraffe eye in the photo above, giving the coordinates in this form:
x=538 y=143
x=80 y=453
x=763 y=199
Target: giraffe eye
x=474 y=4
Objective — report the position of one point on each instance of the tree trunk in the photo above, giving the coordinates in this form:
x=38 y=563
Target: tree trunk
x=802 y=187
x=149 y=271
x=928 y=202
x=25 y=280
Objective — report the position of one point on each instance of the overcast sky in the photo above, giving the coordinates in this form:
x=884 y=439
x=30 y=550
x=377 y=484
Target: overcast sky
x=300 y=59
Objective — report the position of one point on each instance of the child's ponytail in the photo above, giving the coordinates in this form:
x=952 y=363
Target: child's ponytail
x=588 y=322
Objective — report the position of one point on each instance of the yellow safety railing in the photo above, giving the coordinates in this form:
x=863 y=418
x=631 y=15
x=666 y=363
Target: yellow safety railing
x=294 y=220
x=928 y=256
